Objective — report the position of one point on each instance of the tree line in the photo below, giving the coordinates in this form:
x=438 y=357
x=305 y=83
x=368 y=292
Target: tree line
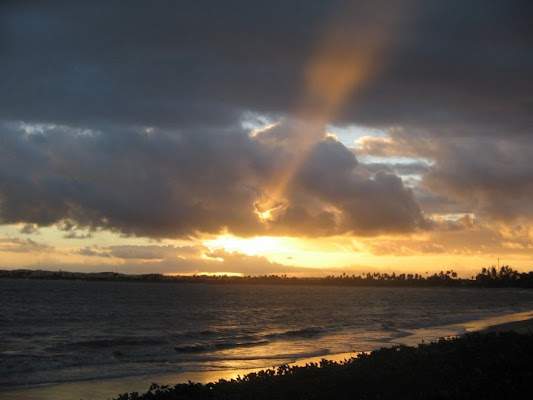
x=504 y=276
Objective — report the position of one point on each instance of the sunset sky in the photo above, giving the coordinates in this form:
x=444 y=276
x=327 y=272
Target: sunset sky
x=294 y=137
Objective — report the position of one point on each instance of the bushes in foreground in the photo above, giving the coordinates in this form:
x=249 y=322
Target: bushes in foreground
x=474 y=366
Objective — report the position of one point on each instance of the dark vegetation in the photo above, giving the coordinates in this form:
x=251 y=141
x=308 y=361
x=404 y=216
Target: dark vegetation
x=474 y=366
x=487 y=277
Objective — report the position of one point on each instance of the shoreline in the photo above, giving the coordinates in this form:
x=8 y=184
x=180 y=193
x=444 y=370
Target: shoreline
x=107 y=388
x=523 y=327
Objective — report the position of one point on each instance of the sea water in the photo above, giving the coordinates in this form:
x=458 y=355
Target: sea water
x=68 y=331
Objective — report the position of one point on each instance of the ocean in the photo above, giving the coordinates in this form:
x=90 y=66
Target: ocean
x=72 y=331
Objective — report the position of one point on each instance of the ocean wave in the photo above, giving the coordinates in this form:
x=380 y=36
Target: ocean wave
x=77 y=372
x=200 y=348
x=290 y=356
x=214 y=333
x=308 y=332
x=117 y=342
x=46 y=346
x=27 y=334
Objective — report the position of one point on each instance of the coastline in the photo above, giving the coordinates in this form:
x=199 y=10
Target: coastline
x=109 y=388
x=523 y=327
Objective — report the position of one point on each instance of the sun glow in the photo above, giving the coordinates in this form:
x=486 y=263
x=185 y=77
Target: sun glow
x=205 y=274
x=298 y=252
x=251 y=246
x=266 y=128
x=220 y=274
x=265 y=215
x=267 y=211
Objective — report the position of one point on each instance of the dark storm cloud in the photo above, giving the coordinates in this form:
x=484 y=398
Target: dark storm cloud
x=365 y=203
x=145 y=104
x=458 y=68
x=134 y=182
x=448 y=63
x=491 y=176
x=188 y=62
x=168 y=185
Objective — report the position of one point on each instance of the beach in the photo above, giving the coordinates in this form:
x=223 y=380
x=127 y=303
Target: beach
x=524 y=327
x=110 y=388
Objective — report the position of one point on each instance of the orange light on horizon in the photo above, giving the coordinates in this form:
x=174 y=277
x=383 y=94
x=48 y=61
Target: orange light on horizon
x=248 y=246
x=237 y=274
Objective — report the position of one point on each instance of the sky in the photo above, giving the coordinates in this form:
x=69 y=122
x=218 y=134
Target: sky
x=305 y=138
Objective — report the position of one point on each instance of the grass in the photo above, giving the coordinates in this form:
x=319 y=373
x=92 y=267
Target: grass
x=473 y=366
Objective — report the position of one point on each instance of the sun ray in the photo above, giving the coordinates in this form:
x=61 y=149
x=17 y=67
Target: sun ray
x=341 y=63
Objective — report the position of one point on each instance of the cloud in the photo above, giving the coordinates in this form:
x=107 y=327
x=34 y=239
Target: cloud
x=92 y=252
x=185 y=260
x=29 y=229
x=456 y=69
x=129 y=119
x=191 y=63
x=446 y=65
x=491 y=177
x=402 y=169
x=172 y=184
x=485 y=175
x=153 y=252
x=75 y=235
x=363 y=203
x=16 y=245
x=160 y=184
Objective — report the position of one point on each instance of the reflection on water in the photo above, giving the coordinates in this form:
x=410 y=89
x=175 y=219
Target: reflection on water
x=60 y=331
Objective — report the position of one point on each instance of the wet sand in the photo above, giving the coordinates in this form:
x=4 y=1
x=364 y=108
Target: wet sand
x=525 y=326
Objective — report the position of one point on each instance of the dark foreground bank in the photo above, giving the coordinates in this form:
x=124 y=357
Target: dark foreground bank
x=475 y=366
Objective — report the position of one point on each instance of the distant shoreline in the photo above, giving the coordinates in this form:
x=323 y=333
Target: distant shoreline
x=488 y=277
